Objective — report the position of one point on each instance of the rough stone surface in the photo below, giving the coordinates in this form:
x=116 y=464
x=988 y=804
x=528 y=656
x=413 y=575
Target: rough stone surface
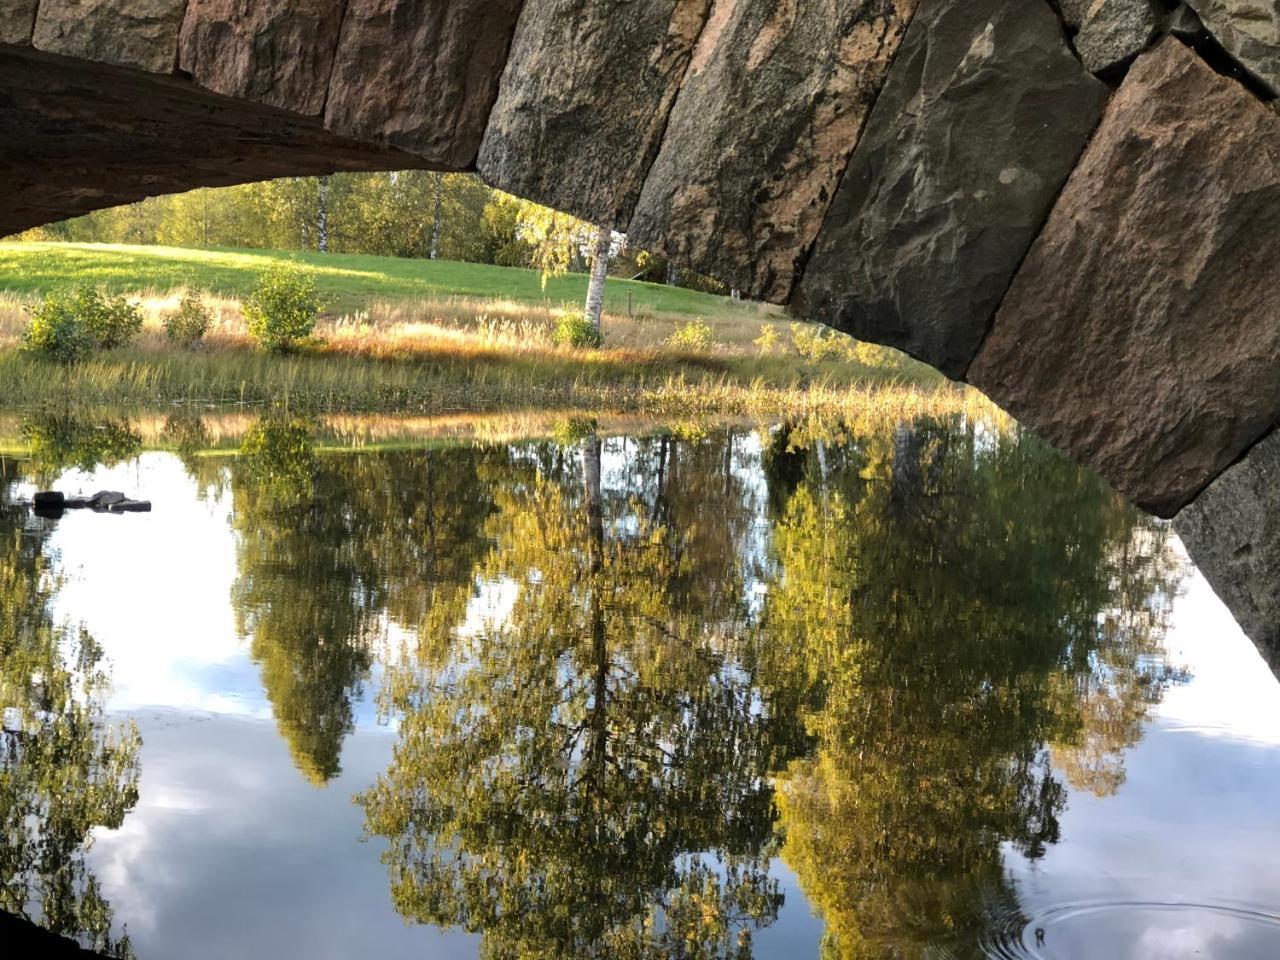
x=420 y=75
x=772 y=105
x=1142 y=332
x=277 y=52
x=1110 y=32
x=584 y=99
x=984 y=115
x=1183 y=22
x=81 y=136
x=142 y=34
x=1232 y=532
x=17 y=20
x=1249 y=30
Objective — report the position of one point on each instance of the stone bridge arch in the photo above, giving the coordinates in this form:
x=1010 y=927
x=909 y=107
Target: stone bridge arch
x=1072 y=204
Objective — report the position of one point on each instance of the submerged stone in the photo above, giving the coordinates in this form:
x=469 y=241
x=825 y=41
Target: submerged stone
x=1142 y=332
x=982 y=118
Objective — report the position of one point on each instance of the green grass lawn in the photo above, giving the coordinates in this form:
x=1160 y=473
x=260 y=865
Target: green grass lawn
x=346 y=282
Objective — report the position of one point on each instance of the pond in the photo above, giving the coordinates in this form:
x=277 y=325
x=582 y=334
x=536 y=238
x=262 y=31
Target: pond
x=920 y=689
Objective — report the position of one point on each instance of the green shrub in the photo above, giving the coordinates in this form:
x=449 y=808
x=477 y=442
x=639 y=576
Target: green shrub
x=112 y=321
x=815 y=342
x=694 y=336
x=56 y=332
x=190 y=322
x=575 y=330
x=281 y=311
x=767 y=342
x=68 y=326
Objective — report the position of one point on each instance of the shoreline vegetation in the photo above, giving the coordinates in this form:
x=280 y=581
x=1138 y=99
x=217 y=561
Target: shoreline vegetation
x=445 y=339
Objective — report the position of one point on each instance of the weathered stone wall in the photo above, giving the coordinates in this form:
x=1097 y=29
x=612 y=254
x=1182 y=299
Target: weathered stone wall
x=1232 y=532
x=771 y=107
x=17 y=21
x=982 y=120
x=132 y=33
x=99 y=136
x=584 y=101
x=420 y=75
x=1142 y=334
x=1249 y=30
x=277 y=52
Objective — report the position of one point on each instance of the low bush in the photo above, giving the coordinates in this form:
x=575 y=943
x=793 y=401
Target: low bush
x=575 y=330
x=56 y=332
x=282 y=310
x=187 y=325
x=815 y=342
x=69 y=326
x=112 y=321
x=694 y=336
x=767 y=342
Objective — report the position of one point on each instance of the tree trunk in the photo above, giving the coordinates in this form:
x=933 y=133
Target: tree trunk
x=599 y=273
x=437 y=216
x=673 y=274
x=322 y=215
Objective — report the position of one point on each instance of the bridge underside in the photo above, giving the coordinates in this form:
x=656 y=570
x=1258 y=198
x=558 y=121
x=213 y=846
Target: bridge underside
x=1073 y=205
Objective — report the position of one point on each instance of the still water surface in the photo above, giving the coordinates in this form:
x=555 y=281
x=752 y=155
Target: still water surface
x=913 y=691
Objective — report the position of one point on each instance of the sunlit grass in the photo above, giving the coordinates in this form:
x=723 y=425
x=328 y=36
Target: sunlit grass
x=415 y=337
x=346 y=282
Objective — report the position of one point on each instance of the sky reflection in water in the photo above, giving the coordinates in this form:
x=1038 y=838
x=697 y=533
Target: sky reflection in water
x=925 y=691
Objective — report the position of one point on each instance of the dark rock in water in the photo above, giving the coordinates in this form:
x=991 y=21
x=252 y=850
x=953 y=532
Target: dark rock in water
x=49 y=500
x=1232 y=532
x=130 y=506
x=106 y=498
x=53 y=504
x=982 y=118
x=1142 y=331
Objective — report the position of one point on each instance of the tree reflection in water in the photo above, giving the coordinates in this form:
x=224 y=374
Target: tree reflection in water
x=63 y=769
x=329 y=549
x=608 y=766
x=629 y=674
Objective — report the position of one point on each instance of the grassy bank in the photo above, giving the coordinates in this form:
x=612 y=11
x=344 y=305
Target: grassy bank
x=411 y=340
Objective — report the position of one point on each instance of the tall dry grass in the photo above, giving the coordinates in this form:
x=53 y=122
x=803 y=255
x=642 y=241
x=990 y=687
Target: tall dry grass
x=461 y=354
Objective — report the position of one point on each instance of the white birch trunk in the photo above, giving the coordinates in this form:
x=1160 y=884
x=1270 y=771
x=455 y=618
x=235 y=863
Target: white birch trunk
x=599 y=273
x=437 y=216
